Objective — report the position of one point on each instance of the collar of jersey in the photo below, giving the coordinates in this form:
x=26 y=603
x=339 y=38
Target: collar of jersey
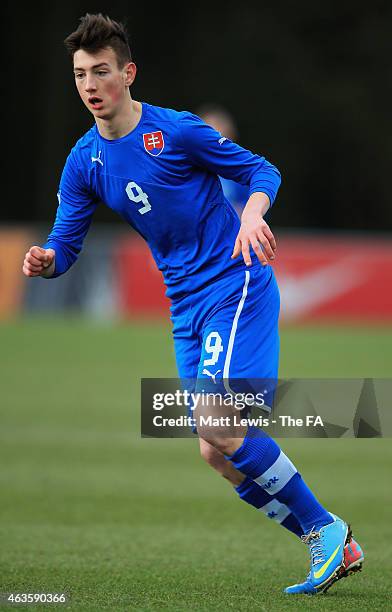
x=130 y=134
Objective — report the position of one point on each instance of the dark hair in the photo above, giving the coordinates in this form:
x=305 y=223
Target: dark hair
x=96 y=32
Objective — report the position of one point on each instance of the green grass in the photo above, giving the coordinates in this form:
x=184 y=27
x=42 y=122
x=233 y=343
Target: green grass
x=124 y=523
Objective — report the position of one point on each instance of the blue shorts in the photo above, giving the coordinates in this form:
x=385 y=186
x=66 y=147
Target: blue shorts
x=228 y=331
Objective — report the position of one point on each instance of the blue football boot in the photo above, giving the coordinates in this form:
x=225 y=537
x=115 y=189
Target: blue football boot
x=326 y=548
x=353 y=560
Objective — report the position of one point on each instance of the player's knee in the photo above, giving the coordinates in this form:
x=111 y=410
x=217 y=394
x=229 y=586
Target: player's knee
x=216 y=445
x=209 y=454
x=219 y=463
x=219 y=445
x=214 y=458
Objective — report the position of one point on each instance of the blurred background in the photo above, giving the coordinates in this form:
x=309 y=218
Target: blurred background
x=308 y=85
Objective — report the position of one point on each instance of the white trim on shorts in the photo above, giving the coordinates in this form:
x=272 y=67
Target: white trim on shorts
x=233 y=331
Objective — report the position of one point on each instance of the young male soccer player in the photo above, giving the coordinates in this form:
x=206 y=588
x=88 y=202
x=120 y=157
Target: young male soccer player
x=159 y=169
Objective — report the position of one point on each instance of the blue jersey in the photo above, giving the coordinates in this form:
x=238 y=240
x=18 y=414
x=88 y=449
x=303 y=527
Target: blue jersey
x=236 y=194
x=162 y=179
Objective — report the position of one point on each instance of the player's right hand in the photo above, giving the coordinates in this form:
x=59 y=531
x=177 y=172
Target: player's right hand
x=39 y=262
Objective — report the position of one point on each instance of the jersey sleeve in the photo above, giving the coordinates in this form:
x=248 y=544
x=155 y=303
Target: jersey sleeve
x=73 y=217
x=207 y=148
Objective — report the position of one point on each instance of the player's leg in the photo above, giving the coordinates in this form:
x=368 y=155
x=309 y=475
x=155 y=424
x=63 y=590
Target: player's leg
x=187 y=349
x=248 y=490
x=218 y=462
x=254 y=495
x=240 y=344
x=240 y=341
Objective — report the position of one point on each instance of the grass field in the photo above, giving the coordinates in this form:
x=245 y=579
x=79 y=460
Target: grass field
x=124 y=523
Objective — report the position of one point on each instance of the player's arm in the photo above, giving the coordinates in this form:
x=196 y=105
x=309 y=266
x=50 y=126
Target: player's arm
x=73 y=218
x=208 y=149
x=255 y=232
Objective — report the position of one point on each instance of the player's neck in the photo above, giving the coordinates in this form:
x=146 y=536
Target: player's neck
x=123 y=123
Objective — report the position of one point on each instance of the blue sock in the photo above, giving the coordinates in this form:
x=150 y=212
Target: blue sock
x=260 y=458
x=254 y=495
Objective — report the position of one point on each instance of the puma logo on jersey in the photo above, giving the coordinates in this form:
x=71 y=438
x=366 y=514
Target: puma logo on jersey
x=97 y=159
x=205 y=371
x=222 y=140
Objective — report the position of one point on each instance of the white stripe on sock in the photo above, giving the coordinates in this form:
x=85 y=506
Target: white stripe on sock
x=276 y=511
x=277 y=476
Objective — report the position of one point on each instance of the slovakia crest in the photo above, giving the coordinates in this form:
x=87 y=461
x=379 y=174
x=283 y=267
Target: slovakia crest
x=154 y=143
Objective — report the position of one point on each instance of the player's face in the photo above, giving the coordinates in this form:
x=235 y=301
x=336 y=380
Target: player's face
x=102 y=85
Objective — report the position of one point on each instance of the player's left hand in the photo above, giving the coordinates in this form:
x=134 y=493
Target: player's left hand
x=255 y=232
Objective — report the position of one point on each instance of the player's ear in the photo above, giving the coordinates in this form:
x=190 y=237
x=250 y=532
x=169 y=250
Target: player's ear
x=129 y=73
